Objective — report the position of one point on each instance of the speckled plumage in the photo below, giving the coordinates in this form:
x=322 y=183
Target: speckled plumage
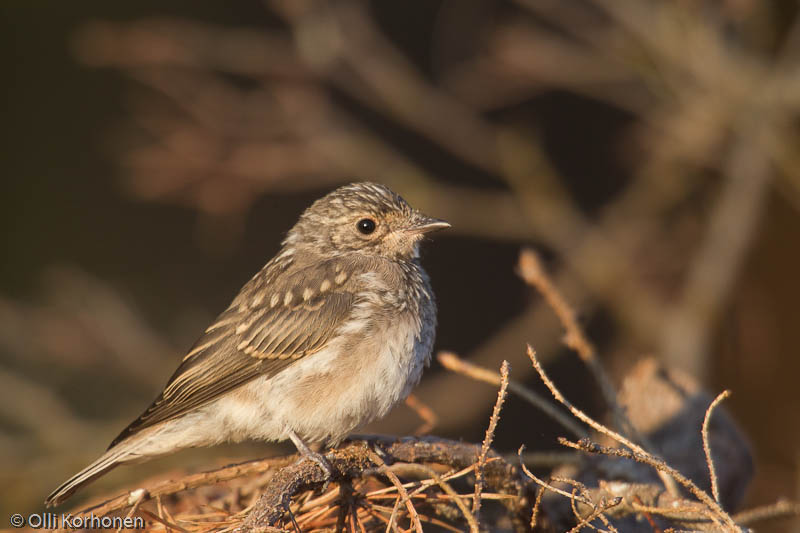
x=329 y=335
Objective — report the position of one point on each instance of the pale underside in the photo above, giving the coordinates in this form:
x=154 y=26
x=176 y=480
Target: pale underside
x=313 y=351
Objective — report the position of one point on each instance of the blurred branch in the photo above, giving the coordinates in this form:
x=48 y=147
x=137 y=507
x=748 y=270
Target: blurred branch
x=424 y=412
x=452 y=362
x=84 y=333
x=349 y=38
x=689 y=327
x=288 y=133
x=42 y=413
x=779 y=509
x=181 y=43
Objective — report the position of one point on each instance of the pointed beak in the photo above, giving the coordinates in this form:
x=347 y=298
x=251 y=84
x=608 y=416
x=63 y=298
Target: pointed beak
x=423 y=224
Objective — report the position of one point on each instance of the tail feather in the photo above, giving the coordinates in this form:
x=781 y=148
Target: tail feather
x=141 y=446
x=108 y=461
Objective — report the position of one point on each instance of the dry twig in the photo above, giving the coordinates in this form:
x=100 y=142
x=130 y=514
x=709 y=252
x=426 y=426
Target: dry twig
x=532 y=271
x=580 y=415
x=636 y=452
x=457 y=499
x=454 y=363
x=716 y=513
x=487 y=442
x=405 y=500
x=712 y=472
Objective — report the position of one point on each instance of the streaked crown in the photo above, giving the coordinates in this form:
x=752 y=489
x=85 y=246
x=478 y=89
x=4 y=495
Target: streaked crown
x=365 y=218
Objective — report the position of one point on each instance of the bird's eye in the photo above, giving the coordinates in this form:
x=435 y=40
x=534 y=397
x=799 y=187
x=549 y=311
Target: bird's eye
x=366 y=226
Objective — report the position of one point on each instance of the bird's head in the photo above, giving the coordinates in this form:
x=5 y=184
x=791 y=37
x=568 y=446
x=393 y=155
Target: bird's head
x=365 y=218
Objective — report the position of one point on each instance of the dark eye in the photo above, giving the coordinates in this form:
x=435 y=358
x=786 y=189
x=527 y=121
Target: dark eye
x=366 y=226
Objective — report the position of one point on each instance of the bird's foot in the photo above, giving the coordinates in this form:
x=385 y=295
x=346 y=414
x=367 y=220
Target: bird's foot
x=318 y=458
x=323 y=463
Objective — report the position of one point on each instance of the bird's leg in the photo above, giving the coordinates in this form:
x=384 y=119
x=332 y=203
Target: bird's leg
x=314 y=456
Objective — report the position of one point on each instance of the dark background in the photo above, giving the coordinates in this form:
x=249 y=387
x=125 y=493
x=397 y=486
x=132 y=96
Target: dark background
x=132 y=212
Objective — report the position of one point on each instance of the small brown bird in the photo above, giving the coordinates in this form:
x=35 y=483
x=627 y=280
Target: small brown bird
x=329 y=335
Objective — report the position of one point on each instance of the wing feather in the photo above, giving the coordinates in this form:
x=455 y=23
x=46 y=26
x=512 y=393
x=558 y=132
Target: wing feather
x=247 y=341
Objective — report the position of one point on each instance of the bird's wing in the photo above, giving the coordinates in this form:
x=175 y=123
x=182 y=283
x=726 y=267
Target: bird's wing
x=273 y=322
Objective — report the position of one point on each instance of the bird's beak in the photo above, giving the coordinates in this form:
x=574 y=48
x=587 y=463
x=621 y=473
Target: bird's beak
x=423 y=224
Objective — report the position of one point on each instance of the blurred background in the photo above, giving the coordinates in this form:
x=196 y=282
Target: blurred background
x=155 y=154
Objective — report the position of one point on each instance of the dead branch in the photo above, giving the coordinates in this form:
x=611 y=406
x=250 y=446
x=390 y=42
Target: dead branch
x=432 y=467
x=717 y=514
x=137 y=496
x=713 y=508
x=487 y=443
x=712 y=471
x=534 y=274
x=454 y=363
x=580 y=415
x=354 y=458
x=424 y=412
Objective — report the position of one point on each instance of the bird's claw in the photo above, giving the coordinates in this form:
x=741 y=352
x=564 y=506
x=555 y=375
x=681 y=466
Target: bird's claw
x=324 y=465
x=318 y=458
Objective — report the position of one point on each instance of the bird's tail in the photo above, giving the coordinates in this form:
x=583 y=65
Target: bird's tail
x=108 y=461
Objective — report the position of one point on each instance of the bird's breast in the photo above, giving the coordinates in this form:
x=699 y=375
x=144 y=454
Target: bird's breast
x=373 y=360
